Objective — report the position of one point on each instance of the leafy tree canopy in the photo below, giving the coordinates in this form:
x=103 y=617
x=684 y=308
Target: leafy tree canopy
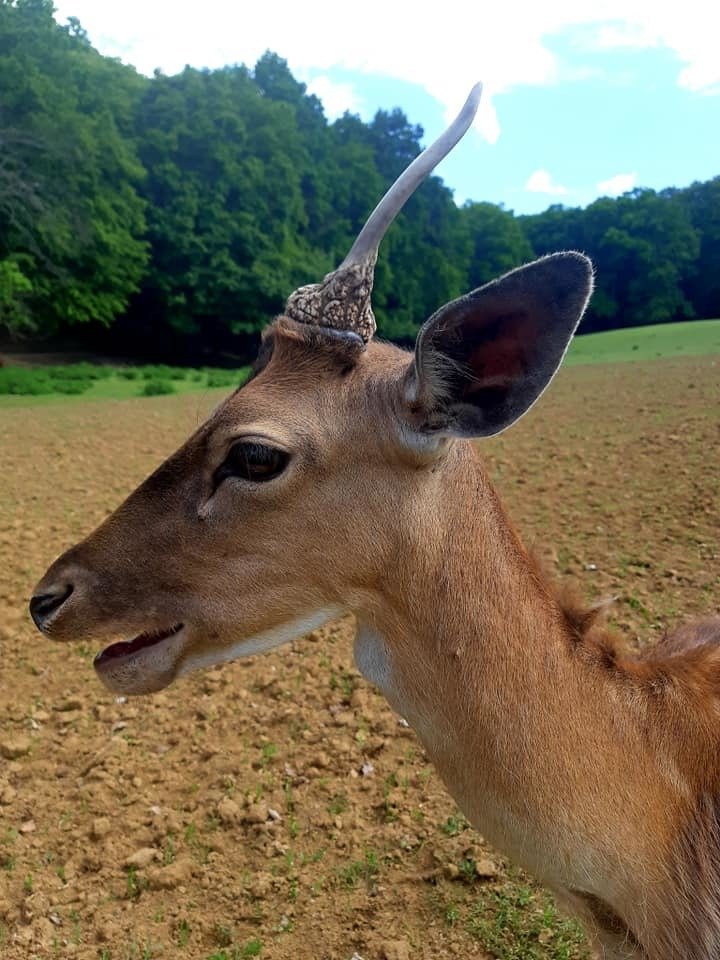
x=175 y=213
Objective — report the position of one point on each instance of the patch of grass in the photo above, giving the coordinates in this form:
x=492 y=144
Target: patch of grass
x=515 y=923
x=200 y=850
x=348 y=684
x=640 y=607
x=169 y=851
x=454 y=825
x=366 y=869
x=339 y=804
x=252 y=948
x=77 y=933
x=512 y=920
x=223 y=935
x=390 y=807
x=134 y=885
x=24 y=385
x=689 y=339
x=132 y=950
x=183 y=933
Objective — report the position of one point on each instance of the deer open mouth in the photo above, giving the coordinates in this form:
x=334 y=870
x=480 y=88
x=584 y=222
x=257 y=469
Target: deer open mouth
x=125 y=648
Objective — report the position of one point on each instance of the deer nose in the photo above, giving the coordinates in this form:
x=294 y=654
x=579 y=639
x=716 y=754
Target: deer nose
x=44 y=605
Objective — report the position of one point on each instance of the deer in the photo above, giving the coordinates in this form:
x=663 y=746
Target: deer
x=343 y=477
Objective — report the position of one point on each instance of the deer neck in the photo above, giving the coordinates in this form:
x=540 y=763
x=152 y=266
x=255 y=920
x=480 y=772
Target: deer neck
x=469 y=646
x=459 y=608
x=540 y=746
x=459 y=633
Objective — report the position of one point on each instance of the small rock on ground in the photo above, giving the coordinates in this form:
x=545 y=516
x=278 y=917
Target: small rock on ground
x=12 y=748
x=141 y=858
x=395 y=950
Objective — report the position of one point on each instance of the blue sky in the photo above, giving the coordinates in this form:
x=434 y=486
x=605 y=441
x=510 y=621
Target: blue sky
x=580 y=101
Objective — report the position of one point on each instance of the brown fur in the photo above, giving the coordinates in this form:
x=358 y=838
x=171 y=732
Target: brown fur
x=595 y=767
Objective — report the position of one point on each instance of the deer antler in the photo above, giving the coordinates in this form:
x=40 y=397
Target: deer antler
x=342 y=300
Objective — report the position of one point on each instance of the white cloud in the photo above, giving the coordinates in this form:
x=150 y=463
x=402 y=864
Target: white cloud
x=336 y=97
x=542 y=182
x=614 y=186
x=504 y=46
x=688 y=30
x=609 y=36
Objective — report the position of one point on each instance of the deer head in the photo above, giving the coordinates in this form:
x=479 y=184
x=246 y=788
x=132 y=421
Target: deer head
x=300 y=492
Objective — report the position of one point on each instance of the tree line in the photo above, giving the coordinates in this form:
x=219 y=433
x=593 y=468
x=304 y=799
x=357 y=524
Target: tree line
x=174 y=214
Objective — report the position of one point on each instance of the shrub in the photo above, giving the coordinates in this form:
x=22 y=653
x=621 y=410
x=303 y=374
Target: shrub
x=70 y=386
x=227 y=378
x=161 y=371
x=71 y=378
x=20 y=380
x=221 y=378
x=157 y=388
x=78 y=371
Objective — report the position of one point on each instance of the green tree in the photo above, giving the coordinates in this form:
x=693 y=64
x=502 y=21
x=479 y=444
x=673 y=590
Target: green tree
x=701 y=201
x=15 y=290
x=642 y=248
x=182 y=210
x=226 y=217
x=643 y=245
x=68 y=200
x=496 y=240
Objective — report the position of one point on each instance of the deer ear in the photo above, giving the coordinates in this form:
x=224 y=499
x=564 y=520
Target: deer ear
x=482 y=361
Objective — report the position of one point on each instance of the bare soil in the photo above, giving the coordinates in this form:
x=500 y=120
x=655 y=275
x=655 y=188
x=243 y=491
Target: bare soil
x=277 y=807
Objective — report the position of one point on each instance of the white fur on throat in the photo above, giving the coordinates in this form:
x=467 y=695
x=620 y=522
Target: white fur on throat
x=261 y=642
x=372 y=659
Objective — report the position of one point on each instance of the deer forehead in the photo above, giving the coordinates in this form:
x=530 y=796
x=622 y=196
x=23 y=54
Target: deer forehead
x=299 y=398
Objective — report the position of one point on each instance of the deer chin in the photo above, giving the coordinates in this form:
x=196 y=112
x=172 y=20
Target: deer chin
x=260 y=642
x=152 y=660
x=146 y=664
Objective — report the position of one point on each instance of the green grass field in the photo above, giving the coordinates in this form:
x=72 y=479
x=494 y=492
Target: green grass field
x=691 y=339
x=20 y=386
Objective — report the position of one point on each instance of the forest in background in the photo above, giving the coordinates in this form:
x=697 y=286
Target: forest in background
x=171 y=216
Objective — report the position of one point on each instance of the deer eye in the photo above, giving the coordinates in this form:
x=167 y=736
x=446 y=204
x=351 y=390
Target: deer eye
x=252 y=461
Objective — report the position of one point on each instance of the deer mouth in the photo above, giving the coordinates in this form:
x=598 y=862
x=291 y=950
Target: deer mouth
x=141 y=665
x=126 y=647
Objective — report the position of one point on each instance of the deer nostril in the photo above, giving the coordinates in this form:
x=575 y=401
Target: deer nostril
x=44 y=605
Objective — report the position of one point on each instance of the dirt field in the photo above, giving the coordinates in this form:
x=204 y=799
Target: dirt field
x=277 y=808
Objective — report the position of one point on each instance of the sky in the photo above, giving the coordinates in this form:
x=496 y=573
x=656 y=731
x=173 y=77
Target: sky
x=580 y=99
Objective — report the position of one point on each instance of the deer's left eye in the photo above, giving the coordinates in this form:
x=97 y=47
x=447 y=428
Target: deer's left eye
x=249 y=460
